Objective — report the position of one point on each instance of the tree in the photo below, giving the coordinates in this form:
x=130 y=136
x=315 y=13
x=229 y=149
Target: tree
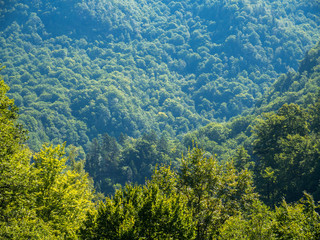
x=241 y=159
x=284 y=148
x=140 y=212
x=15 y=170
x=214 y=192
x=102 y=163
x=297 y=221
x=255 y=224
x=44 y=199
x=62 y=196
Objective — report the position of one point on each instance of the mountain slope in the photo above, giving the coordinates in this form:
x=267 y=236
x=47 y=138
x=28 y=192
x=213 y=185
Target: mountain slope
x=78 y=69
x=300 y=87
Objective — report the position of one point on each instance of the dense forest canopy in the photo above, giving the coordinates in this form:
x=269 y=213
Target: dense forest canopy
x=197 y=119
x=82 y=68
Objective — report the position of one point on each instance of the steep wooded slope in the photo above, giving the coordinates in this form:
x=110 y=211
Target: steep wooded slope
x=78 y=69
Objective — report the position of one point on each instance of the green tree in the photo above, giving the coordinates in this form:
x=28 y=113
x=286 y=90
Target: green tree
x=62 y=196
x=140 y=212
x=283 y=151
x=214 y=192
x=242 y=160
x=102 y=163
x=297 y=221
x=42 y=200
x=255 y=224
x=15 y=172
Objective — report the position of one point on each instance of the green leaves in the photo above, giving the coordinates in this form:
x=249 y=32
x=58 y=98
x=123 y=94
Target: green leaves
x=297 y=221
x=15 y=170
x=114 y=67
x=62 y=197
x=194 y=203
x=288 y=154
x=253 y=224
x=42 y=200
x=214 y=192
x=137 y=212
x=110 y=163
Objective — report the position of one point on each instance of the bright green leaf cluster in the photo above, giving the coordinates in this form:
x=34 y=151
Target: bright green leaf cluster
x=40 y=198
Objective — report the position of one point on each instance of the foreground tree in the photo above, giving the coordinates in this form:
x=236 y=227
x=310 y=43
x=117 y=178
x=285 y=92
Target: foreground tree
x=15 y=171
x=288 y=154
x=299 y=220
x=254 y=224
x=137 y=212
x=62 y=196
x=214 y=192
x=193 y=203
x=45 y=199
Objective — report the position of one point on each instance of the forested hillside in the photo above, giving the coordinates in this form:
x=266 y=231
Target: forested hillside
x=300 y=87
x=255 y=187
x=82 y=68
x=279 y=139
x=196 y=119
x=43 y=197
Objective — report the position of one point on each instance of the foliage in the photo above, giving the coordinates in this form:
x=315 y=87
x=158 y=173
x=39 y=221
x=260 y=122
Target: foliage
x=223 y=139
x=78 y=69
x=288 y=155
x=254 y=224
x=15 y=170
x=137 y=212
x=203 y=199
x=301 y=87
x=214 y=192
x=300 y=221
x=111 y=164
x=40 y=198
x=191 y=204
x=283 y=150
x=288 y=221
x=62 y=197
x=87 y=72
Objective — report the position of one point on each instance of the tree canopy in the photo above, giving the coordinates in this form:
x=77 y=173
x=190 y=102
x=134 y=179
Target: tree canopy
x=78 y=69
x=41 y=197
x=159 y=119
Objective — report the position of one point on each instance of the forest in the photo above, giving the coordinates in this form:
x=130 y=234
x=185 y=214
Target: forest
x=79 y=69
x=148 y=119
